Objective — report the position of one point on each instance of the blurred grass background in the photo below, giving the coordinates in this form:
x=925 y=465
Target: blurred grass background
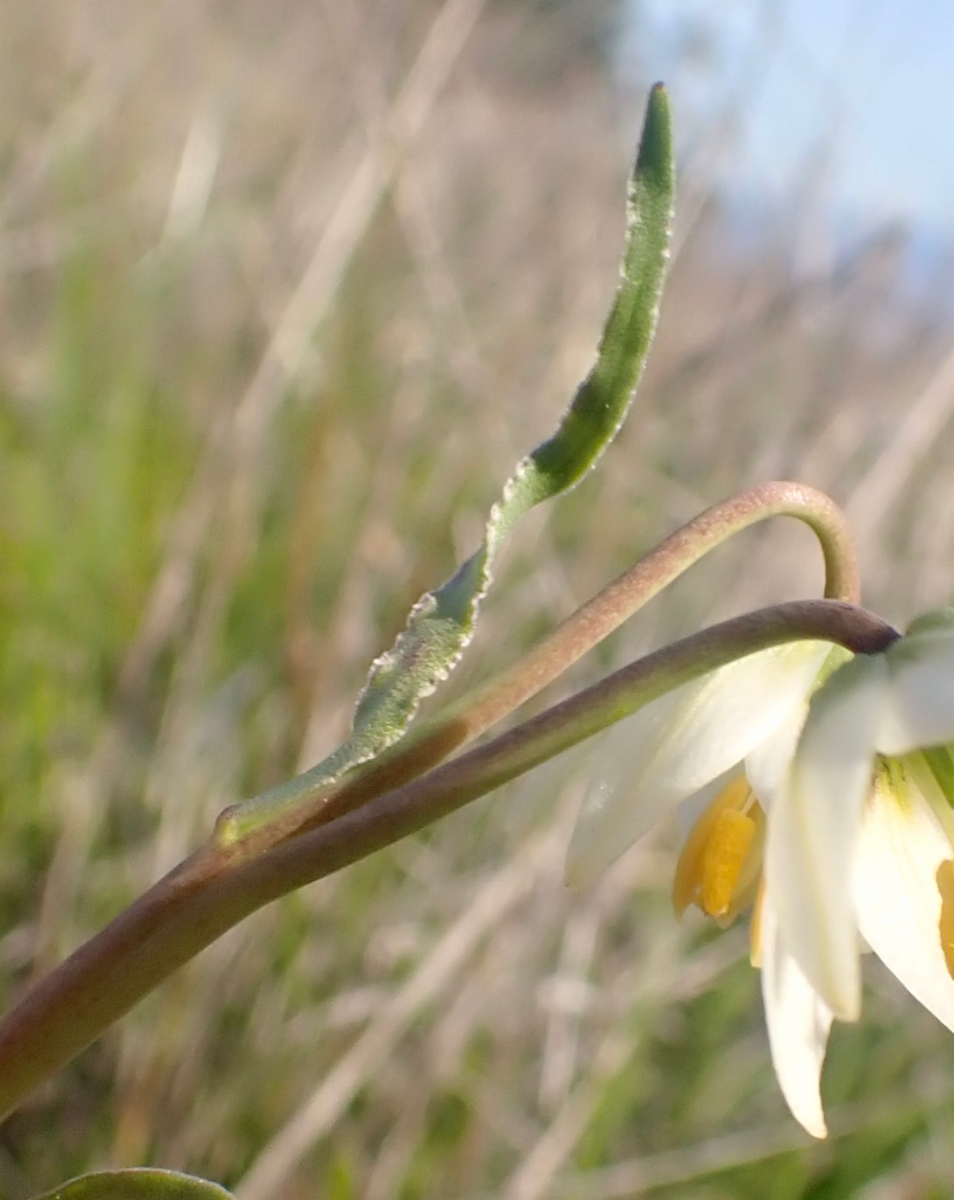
x=285 y=289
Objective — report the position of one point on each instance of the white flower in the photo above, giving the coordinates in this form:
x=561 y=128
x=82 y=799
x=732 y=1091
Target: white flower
x=860 y=848
x=835 y=819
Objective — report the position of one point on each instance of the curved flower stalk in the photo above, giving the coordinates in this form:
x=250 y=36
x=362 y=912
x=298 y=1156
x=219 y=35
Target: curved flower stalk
x=860 y=849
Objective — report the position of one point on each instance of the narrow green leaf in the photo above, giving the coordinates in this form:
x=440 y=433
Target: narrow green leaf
x=137 y=1183
x=442 y=623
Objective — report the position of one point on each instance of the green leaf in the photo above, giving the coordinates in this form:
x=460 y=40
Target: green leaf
x=137 y=1183
x=442 y=623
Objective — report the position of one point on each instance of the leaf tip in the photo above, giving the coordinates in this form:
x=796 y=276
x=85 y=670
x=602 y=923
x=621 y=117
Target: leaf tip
x=655 y=146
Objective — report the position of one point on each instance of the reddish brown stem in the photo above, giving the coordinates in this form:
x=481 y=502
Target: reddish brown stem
x=217 y=887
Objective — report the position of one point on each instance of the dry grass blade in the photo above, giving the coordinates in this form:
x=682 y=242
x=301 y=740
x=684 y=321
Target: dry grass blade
x=879 y=490
x=317 y=1116
x=238 y=441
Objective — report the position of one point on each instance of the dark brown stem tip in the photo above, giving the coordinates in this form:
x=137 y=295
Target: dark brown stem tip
x=856 y=628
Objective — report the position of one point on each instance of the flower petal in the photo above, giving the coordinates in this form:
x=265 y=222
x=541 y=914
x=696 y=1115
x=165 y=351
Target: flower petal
x=921 y=711
x=814 y=826
x=798 y=1022
x=677 y=744
x=767 y=764
x=901 y=847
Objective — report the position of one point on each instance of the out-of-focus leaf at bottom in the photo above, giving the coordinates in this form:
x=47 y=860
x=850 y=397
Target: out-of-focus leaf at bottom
x=137 y=1183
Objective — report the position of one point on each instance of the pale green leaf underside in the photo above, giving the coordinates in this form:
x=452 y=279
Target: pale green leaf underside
x=138 y=1183
x=442 y=622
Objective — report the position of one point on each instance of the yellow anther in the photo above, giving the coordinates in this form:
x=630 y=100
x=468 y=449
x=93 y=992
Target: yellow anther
x=723 y=859
x=714 y=868
x=945 y=885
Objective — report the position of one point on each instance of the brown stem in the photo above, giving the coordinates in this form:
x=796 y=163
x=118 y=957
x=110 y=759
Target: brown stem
x=216 y=887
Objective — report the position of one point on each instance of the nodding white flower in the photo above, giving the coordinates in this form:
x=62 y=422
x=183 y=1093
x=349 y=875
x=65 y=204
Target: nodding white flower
x=835 y=819
x=860 y=849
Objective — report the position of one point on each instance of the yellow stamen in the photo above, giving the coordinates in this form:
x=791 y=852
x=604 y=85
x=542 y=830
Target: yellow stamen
x=945 y=885
x=712 y=869
x=723 y=859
